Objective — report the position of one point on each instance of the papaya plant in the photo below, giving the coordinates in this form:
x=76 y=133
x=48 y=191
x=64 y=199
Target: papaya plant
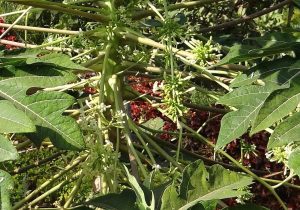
x=116 y=92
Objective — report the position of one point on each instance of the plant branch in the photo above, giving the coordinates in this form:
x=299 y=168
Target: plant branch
x=39 y=29
x=61 y=8
x=187 y=5
x=126 y=34
x=245 y=18
x=22 y=45
x=207 y=161
x=16 y=21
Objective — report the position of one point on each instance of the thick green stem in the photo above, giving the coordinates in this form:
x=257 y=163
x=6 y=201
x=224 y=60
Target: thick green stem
x=126 y=34
x=120 y=109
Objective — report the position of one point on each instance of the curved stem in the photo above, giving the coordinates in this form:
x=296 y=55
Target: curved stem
x=291 y=175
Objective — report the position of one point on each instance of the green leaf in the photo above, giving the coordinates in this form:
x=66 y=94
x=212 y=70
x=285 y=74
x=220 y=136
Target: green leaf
x=13 y=120
x=171 y=200
x=39 y=56
x=45 y=109
x=6 y=186
x=35 y=70
x=141 y=201
x=201 y=184
x=57 y=59
x=267 y=45
x=294 y=161
x=248 y=100
x=275 y=73
x=155 y=124
x=7 y=150
x=286 y=132
x=278 y=105
x=113 y=201
x=246 y=207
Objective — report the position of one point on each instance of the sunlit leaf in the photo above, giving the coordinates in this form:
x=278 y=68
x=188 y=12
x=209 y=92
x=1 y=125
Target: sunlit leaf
x=13 y=120
x=7 y=150
x=6 y=187
x=286 y=132
x=248 y=100
x=278 y=105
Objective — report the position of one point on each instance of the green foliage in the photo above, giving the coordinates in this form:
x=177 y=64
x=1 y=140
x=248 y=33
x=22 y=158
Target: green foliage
x=264 y=97
x=268 y=45
x=286 y=132
x=6 y=187
x=294 y=161
x=236 y=123
x=126 y=200
x=278 y=105
x=35 y=86
x=7 y=150
x=44 y=108
x=14 y=120
x=140 y=196
x=200 y=184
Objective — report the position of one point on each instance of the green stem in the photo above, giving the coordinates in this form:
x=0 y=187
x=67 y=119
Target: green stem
x=14 y=23
x=115 y=182
x=104 y=73
x=179 y=145
x=62 y=8
x=127 y=34
x=159 y=149
x=280 y=181
x=74 y=191
x=40 y=29
x=291 y=175
x=120 y=109
x=205 y=72
x=135 y=130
